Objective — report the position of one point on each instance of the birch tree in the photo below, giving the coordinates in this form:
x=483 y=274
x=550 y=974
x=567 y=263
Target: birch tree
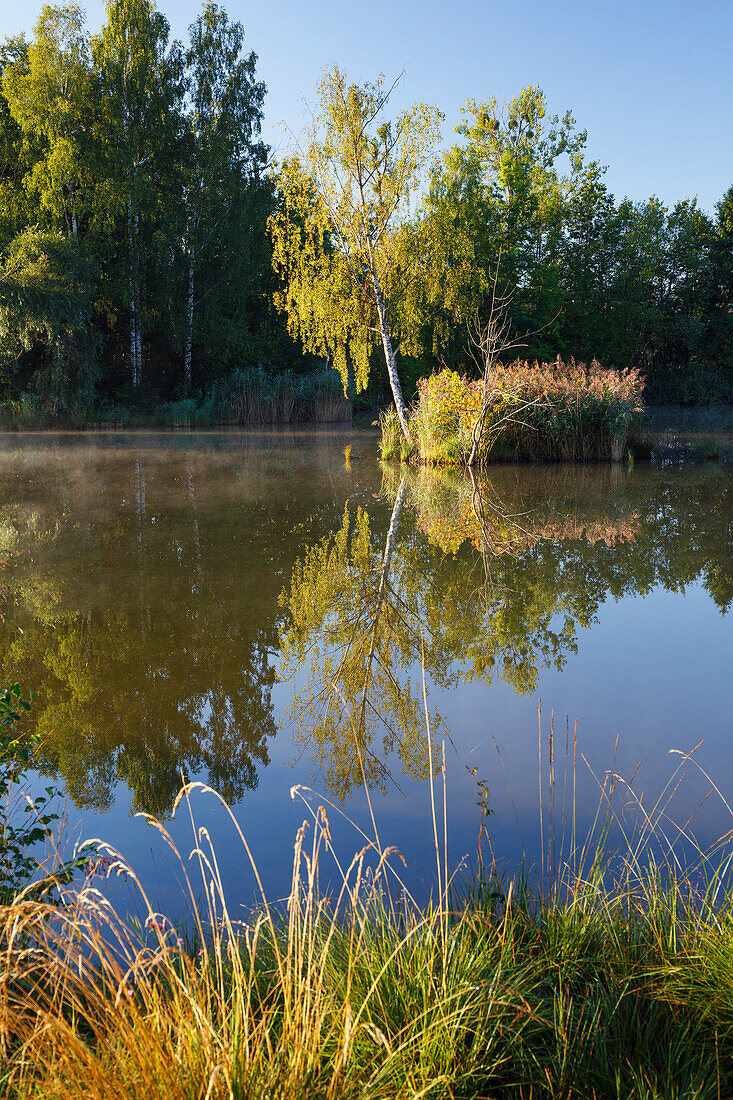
x=350 y=637
x=342 y=234
x=48 y=92
x=16 y=207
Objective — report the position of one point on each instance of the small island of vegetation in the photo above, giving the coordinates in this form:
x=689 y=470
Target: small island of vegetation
x=548 y=412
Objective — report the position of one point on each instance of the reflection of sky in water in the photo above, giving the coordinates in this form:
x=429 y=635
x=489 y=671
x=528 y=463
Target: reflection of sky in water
x=229 y=526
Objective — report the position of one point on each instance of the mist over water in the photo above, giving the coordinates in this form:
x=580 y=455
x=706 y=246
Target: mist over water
x=212 y=604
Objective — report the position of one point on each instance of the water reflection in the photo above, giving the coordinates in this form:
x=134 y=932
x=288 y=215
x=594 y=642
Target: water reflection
x=146 y=662
x=493 y=578
x=165 y=588
x=353 y=631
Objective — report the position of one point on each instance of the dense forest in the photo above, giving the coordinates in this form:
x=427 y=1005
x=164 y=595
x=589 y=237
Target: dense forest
x=141 y=230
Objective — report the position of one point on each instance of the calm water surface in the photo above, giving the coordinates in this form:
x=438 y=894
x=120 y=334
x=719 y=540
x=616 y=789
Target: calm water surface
x=213 y=604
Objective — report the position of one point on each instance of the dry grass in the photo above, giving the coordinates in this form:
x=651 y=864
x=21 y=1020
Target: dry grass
x=612 y=977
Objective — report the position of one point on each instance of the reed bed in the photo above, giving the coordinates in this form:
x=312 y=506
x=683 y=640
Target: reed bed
x=256 y=396
x=611 y=976
x=534 y=412
x=249 y=396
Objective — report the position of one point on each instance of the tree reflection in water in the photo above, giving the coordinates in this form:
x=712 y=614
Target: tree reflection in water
x=146 y=661
x=353 y=626
x=148 y=600
x=493 y=578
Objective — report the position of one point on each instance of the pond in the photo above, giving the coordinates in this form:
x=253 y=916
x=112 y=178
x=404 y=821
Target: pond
x=256 y=611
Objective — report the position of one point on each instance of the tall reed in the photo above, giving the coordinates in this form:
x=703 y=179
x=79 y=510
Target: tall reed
x=256 y=396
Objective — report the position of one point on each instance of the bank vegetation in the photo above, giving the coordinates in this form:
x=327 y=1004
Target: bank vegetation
x=610 y=979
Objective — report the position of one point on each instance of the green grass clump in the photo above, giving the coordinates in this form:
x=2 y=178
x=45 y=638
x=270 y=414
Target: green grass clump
x=393 y=445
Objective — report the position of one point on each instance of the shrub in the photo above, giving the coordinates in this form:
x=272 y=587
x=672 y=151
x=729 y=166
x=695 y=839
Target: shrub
x=566 y=412
x=24 y=823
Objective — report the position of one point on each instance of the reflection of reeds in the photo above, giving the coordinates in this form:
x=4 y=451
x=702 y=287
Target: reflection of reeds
x=612 y=978
x=509 y=519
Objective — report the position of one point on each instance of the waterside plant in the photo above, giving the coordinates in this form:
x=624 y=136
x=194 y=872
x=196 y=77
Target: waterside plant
x=539 y=412
x=249 y=396
x=610 y=978
x=31 y=863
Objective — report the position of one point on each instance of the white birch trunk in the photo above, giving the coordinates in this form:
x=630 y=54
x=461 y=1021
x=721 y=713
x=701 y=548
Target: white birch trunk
x=382 y=591
x=74 y=224
x=196 y=533
x=132 y=227
x=133 y=296
x=189 y=324
x=132 y=230
x=394 y=379
x=141 y=508
x=138 y=326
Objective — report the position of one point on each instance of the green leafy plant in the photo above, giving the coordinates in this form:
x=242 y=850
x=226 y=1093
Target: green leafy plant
x=23 y=828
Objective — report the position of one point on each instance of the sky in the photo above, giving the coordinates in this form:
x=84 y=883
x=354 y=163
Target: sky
x=651 y=81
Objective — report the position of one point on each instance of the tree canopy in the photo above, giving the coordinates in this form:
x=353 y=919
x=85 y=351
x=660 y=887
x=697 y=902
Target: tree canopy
x=342 y=236
x=191 y=258
x=147 y=155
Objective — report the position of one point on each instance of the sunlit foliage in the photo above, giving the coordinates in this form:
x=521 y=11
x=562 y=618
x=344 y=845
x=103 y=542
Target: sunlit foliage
x=342 y=242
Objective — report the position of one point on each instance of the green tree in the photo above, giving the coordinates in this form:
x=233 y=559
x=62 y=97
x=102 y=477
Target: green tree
x=342 y=241
x=16 y=156
x=720 y=314
x=451 y=229
x=587 y=266
x=658 y=290
x=519 y=149
x=497 y=205
x=48 y=91
x=139 y=140
x=46 y=333
x=226 y=199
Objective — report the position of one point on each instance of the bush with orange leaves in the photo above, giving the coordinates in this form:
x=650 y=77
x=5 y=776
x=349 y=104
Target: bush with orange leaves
x=537 y=412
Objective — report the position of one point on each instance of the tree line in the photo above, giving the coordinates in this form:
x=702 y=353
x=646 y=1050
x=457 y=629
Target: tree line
x=374 y=262
x=148 y=249
x=133 y=205
x=633 y=284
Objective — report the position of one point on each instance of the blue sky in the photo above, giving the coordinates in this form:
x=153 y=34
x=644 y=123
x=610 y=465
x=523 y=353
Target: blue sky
x=651 y=81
